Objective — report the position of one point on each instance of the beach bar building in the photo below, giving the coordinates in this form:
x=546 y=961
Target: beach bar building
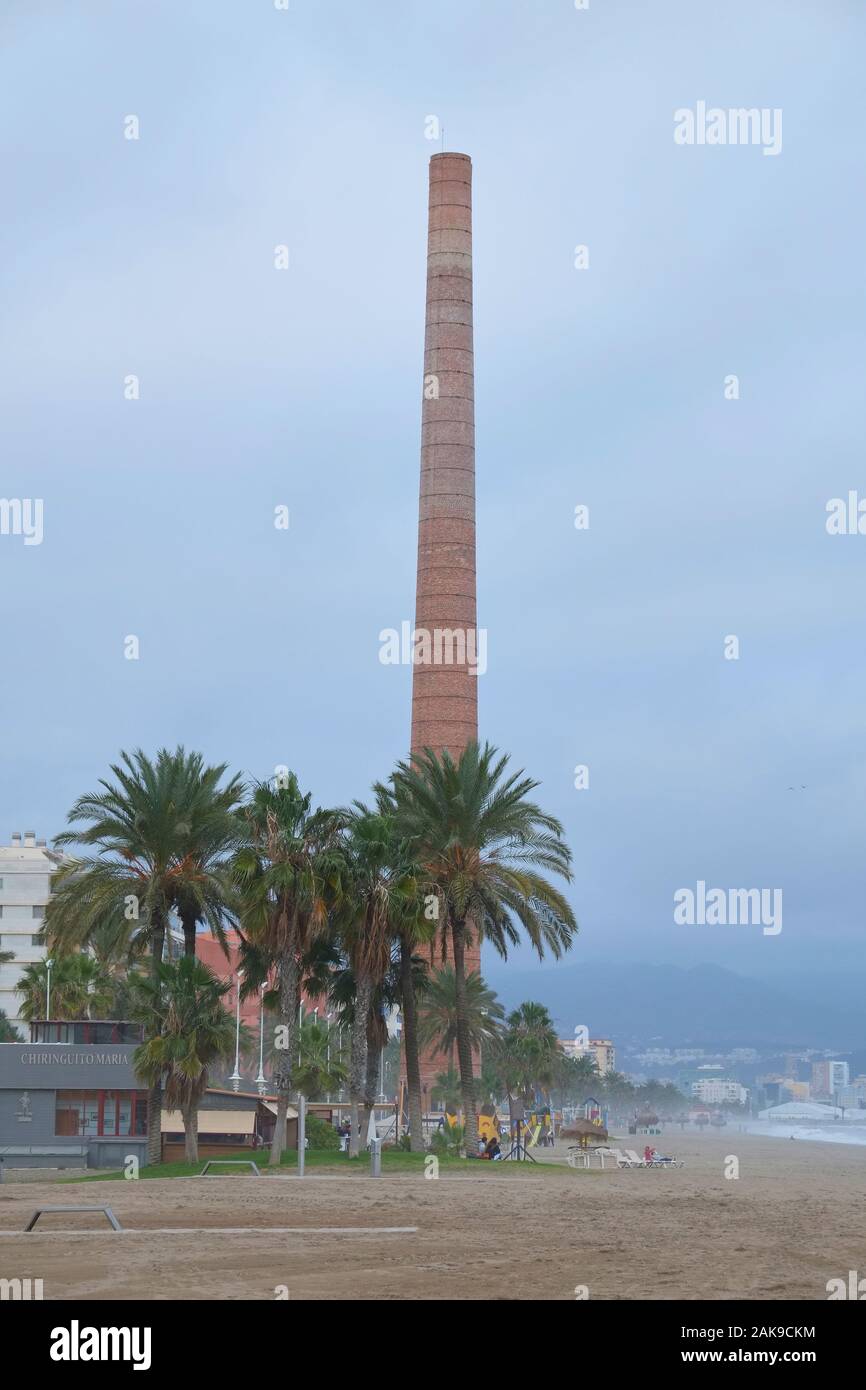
x=69 y=1098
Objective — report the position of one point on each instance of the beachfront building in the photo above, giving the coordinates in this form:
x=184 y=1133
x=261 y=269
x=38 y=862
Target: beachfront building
x=69 y=1097
x=719 y=1091
x=828 y=1078
x=26 y=866
x=228 y=1122
x=601 y=1050
x=854 y=1096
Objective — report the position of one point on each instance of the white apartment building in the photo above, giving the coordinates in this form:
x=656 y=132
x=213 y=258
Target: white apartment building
x=26 y=867
x=716 y=1090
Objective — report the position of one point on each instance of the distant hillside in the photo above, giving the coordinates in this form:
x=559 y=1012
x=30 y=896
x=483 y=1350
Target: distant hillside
x=704 y=1006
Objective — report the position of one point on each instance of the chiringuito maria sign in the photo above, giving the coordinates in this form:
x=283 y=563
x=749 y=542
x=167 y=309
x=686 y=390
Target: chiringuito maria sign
x=34 y=1067
x=62 y=1057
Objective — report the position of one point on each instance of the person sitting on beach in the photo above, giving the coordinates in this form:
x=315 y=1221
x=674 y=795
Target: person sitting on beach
x=492 y=1149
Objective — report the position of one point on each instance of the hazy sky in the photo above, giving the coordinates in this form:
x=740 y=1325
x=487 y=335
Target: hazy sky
x=603 y=387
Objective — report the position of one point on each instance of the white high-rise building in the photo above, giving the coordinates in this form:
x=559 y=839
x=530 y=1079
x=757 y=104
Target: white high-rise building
x=716 y=1090
x=26 y=867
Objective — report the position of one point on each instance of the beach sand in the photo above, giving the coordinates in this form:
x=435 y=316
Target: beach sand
x=794 y=1218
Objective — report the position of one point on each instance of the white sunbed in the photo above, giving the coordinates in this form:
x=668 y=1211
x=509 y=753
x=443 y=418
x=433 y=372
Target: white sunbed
x=626 y=1160
x=583 y=1158
x=635 y=1161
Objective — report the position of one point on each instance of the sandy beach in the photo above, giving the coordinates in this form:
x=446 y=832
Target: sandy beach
x=794 y=1218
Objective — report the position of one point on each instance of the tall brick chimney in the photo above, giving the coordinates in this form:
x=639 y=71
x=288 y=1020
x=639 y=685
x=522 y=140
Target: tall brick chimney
x=445 y=695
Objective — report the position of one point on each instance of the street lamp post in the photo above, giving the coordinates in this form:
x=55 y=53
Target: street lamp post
x=235 y=1077
x=260 y=1079
x=328 y=1022
x=48 y=965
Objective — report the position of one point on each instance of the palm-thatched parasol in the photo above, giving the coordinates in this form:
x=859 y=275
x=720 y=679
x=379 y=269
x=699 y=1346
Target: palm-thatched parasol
x=583 y=1131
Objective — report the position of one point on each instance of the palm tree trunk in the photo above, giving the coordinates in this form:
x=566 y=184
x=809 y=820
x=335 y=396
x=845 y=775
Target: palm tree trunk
x=154 y=1095
x=464 y=1046
x=190 y=1131
x=289 y=988
x=410 y=1048
x=189 y=933
x=358 y=1063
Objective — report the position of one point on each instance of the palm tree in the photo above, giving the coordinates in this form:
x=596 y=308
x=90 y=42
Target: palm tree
x=619 y=1091
x=416 y=928
x=212 y=831
x=288 y=874
x=148 y=828
x=80 y=988
x=320 y=1069
x=188 y=1029
x=530 y=1053
x=437 y=1013
x=482 y=843
x=8 y=1032
x=379 y=897
x=447 y=1089
x=575 y=1076
x=412 y=972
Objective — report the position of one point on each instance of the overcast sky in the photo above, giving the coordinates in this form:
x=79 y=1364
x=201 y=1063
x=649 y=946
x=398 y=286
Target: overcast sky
x=603 y=387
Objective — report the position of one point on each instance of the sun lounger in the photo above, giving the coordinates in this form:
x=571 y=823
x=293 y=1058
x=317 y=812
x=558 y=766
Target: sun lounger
x=635 y=1161
x=626 y=1160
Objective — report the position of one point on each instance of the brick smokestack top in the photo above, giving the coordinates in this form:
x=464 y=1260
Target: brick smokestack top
x=445 y=696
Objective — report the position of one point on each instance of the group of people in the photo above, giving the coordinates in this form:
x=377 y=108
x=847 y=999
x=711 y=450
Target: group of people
x=490 y=1148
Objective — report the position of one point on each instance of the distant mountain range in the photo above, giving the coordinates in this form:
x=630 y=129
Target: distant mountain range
x=705 y=1006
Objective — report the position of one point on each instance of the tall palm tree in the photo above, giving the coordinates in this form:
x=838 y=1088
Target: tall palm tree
x=483 y=845
x=416 y=929
x=412 y=971
x=437 y=1023
x=80 y=988
x=204 y=894
x=188 y=1029
x=143 y=827
x=379 y=894
x=288 y=874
